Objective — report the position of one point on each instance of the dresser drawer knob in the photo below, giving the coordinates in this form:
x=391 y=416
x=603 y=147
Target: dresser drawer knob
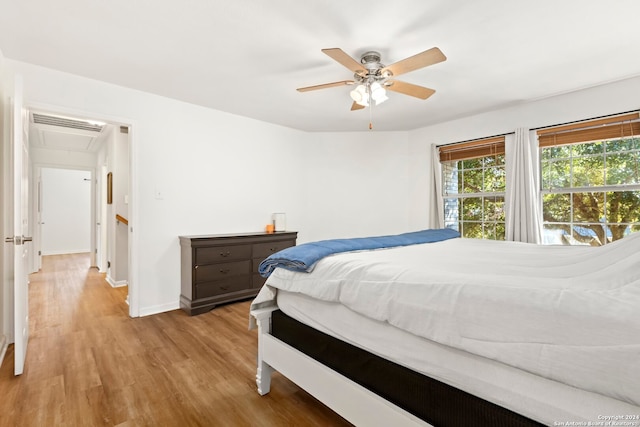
x=274 y=249
x=225 y=254
x=225 y=271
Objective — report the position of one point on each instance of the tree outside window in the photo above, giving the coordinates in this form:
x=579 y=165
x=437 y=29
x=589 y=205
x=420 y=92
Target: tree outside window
x=474 y=196
x=591 y=191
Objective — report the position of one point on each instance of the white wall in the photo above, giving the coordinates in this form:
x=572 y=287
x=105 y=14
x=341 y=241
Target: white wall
x=356 y=184
x=221 y=173
x=100 y=207
x=62 y=158
x=597 y=101
x=66 y=211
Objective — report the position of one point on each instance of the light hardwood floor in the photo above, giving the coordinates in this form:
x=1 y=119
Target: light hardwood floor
x=88 y=363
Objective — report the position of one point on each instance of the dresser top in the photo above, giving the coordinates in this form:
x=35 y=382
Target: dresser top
x=250 y=234
x=239 y=236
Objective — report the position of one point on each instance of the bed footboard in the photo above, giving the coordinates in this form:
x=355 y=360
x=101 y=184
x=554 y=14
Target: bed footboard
x=264 y=370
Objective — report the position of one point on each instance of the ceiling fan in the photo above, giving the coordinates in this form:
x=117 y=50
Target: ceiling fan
x=373 y=78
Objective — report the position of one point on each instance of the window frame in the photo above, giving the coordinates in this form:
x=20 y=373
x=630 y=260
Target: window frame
x=460 y=153
x=599 y=131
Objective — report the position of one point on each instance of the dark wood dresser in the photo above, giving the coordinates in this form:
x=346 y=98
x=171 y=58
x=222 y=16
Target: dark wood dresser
x=221 y=268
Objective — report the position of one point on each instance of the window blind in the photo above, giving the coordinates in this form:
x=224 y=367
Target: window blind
x=472 y=149
x=592 y=130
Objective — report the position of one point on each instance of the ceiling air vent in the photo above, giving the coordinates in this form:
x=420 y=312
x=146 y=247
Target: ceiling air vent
x=66 y=123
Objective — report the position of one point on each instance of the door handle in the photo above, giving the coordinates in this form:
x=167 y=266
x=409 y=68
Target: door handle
x=18 y=240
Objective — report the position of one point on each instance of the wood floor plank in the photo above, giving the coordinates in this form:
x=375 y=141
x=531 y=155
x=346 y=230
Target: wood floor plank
x=90 y=364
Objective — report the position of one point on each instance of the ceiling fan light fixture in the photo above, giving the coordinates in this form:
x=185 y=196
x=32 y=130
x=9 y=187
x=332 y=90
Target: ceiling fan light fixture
x=381 y=99
x=378 y=93
x=360 y=95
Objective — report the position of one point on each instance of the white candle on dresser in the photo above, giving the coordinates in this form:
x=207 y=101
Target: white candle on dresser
x=279 y=221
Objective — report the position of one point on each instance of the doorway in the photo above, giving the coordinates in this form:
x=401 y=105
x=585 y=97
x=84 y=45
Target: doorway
x=66 y=146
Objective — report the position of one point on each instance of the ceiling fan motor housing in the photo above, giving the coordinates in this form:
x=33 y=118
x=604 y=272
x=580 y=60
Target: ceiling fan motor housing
x=371 y=62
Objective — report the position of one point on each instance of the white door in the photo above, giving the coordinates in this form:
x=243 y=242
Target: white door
x=20 y=166
x=66 y=211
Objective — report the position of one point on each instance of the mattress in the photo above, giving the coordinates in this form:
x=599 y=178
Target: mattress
x=541 y=399
x=566 y=314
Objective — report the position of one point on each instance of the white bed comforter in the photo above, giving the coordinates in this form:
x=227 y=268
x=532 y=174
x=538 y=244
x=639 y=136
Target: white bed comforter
x=571 y=314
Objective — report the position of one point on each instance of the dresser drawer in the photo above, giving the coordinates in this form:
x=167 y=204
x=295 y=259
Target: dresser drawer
x=222 y=270
x=258 y=281
x=221 y=287
x=256 y=263
x=263 y=250
x=222 y=253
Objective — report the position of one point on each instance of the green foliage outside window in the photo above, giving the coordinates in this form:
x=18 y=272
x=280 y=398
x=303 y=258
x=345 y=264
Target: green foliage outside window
x=591 y=191
x=474 y=197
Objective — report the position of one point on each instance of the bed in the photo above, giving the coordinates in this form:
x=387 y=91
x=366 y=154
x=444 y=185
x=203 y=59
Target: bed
x=460 y=332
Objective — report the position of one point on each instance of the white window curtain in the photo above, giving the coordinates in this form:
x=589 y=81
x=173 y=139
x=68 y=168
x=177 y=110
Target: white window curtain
x=436 y=207
x=523 y=220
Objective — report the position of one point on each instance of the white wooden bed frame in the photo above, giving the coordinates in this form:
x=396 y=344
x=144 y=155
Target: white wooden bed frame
x=350 y=400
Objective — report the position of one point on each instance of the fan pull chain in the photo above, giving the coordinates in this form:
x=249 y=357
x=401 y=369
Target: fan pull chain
x=370 y=124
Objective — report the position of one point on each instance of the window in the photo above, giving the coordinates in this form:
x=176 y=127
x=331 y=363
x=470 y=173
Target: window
x=473 y=177
x=590 y=178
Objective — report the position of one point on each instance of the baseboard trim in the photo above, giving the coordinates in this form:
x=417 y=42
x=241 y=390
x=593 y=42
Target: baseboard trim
x=4 y=344
x=157 y=309
x=116 y=284
x=66 y=252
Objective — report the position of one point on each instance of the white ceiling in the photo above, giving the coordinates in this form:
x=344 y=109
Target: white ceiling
x=247 y=57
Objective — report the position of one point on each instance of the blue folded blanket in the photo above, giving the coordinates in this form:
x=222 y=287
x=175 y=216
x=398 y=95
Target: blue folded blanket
x=303 y=257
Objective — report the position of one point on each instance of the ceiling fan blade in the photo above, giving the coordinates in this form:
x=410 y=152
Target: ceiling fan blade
x=420 y=60
x=340 y=56
x=326 y=85
x=355 y=106
x=409 y=89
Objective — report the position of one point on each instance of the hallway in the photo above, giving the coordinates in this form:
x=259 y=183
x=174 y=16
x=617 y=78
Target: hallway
x=89 y=363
